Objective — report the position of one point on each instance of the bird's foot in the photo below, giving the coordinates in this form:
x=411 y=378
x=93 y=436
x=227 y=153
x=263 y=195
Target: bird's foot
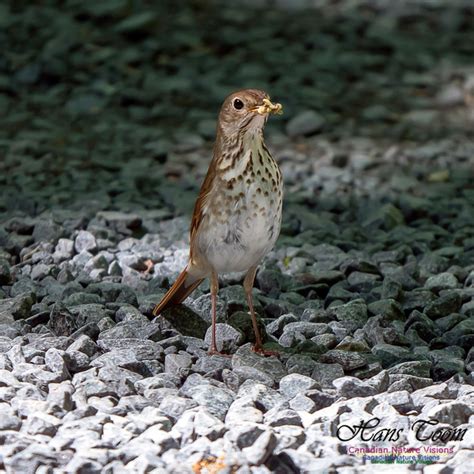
x=264 y=352
x=214 y=351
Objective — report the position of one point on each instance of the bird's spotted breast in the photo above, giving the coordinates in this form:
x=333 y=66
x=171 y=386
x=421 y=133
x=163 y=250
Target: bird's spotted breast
x=244 y=212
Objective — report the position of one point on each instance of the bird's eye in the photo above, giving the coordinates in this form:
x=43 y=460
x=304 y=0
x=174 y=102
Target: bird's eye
x=238 y=104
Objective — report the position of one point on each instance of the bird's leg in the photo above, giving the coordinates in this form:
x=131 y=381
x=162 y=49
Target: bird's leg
x=248 y=286
x=214 y=290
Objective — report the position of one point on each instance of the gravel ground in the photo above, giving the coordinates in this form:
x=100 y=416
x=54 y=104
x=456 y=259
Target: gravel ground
x=368 y=296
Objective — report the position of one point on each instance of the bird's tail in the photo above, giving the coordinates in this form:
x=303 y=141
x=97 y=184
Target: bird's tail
x=181 y=289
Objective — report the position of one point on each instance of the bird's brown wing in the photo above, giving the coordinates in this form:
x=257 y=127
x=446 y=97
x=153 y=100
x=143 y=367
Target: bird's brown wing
x=201 y=201
x=187 y=282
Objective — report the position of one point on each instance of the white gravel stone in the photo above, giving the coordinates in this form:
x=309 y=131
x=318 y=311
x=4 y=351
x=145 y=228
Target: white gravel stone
x=294 y=384
x=85 y=241
x=261 y=448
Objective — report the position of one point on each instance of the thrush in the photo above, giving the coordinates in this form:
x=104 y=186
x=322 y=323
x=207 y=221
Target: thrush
x=237 y=215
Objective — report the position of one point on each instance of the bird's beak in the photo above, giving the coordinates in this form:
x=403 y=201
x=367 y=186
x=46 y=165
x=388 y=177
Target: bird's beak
x=268 y=107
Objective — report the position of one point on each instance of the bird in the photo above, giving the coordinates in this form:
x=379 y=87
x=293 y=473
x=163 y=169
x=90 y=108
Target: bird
x=237 y=215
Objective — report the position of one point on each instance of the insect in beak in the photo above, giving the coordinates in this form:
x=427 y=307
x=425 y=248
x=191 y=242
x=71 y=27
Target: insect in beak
x=268 y=107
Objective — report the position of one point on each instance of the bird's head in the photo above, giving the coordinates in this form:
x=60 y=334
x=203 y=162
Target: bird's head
x=246 y=111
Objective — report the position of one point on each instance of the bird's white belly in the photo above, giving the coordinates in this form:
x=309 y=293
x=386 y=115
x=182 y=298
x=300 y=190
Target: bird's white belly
x=237 y=256
x=228 y=255
x=241 y=240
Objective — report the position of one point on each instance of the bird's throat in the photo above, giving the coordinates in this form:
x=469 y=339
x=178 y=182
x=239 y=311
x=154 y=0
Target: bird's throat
x=247 y=153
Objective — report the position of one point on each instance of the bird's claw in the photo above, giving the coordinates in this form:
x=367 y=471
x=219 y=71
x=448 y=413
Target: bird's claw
x=258 y=349
x=214 y=351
